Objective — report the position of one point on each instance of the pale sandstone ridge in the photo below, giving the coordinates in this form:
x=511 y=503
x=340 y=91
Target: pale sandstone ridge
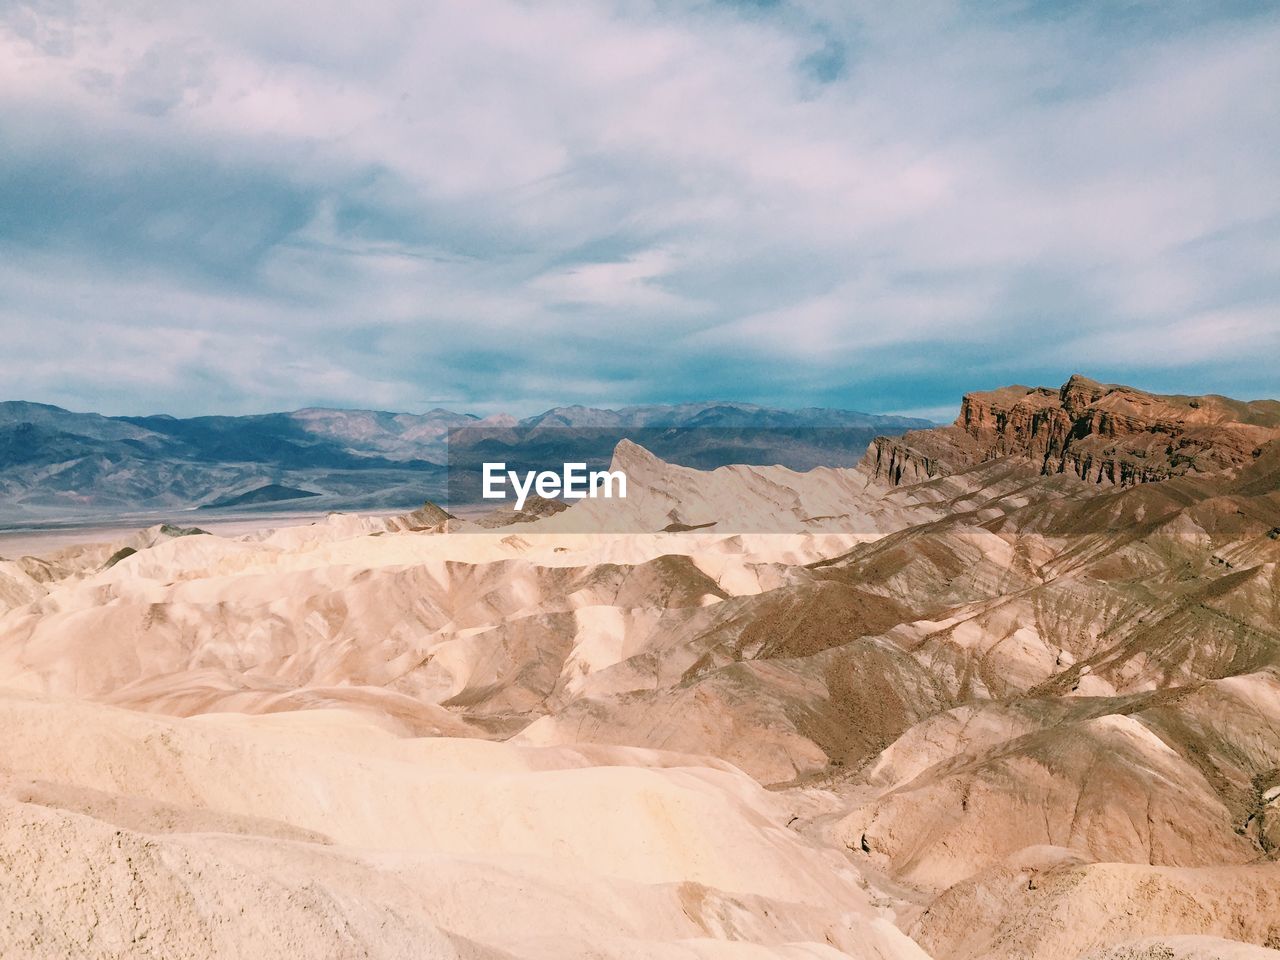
x=319 y=835
x=667 y=497
x=1102 y=433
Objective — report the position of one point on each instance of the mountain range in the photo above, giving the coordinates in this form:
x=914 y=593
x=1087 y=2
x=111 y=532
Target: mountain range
x=57 y=465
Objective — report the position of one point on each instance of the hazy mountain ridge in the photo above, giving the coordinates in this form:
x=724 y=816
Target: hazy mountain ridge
x=56 y=463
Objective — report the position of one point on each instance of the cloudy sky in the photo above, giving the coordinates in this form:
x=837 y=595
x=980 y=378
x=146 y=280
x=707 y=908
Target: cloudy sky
x=494 y=204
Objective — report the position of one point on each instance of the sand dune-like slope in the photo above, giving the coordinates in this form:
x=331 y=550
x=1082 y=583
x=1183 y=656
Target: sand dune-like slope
x=317 y=834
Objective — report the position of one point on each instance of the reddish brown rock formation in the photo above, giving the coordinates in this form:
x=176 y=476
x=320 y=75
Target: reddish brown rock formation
x=1102 y=433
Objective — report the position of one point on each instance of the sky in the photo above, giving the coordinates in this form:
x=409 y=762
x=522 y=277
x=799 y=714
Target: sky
x=496 y=205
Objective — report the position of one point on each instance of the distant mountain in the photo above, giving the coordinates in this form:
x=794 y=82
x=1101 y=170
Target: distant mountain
x=56 y=464
x=270 y=493
x=719 y=415
x=313 y=437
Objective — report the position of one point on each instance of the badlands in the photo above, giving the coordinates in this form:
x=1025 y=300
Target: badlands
x=1007 y=689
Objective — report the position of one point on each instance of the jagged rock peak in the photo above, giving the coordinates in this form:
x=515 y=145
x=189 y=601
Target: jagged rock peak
x=631 y=456
x=1079 y=391
x=428 y=516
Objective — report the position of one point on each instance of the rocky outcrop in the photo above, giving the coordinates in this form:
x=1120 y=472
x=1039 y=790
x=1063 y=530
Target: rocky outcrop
x=900 y=464
x=921 y=455
x=1101 y=433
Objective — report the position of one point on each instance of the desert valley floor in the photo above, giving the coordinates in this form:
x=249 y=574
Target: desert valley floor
x=1007 y=689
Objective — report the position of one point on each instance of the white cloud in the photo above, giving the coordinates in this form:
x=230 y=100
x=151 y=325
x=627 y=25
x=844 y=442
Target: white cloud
x=1213 y=336
x=469 y=187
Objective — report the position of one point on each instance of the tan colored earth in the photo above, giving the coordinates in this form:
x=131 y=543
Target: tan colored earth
x=1008 y=689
